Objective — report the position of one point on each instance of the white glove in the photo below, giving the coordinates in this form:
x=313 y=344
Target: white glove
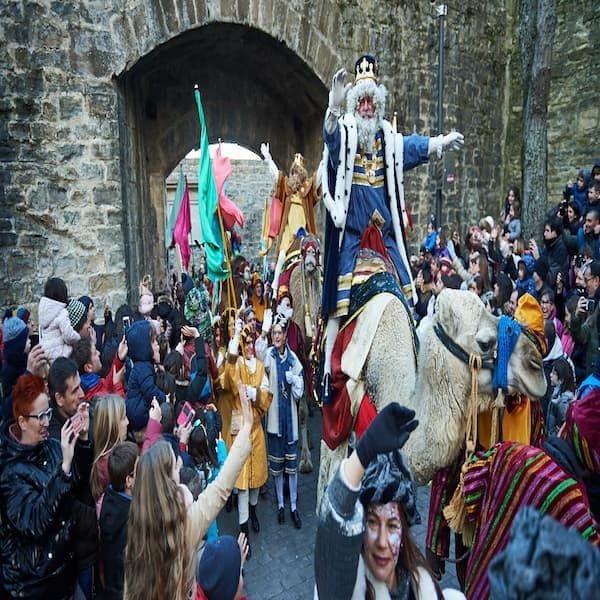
x=238 y=328
x=455 y=140
x=264 y=150
x=251 y=393
x=267 y=321
x=451 y=249
x=289 y=377
x=339 y=87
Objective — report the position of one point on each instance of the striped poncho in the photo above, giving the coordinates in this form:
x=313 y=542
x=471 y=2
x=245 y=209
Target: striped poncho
x=501 y=481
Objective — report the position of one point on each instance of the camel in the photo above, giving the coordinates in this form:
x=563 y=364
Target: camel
x=439 y=389
x=305 y=289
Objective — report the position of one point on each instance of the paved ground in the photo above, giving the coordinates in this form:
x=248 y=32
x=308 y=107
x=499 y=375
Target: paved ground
x=281 y=566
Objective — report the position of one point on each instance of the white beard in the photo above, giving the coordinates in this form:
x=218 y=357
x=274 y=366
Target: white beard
x=367 y=130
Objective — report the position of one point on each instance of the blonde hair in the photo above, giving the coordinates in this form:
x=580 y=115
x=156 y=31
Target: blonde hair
x=108 y=413
x=159 y=560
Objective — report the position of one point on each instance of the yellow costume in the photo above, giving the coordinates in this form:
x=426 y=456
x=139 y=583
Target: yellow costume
x=252 y=373
x=224 y=398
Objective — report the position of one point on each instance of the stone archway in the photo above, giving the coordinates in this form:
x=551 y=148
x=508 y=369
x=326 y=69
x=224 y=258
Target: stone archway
x=253 y=88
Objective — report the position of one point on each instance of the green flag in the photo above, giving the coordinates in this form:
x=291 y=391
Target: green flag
x=207 y=206
x=175 y=209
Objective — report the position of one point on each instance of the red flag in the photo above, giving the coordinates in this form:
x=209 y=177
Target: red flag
x=183 y=226
x=229 y=211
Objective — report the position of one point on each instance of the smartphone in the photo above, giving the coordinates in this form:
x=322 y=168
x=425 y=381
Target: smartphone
x=126 y=323
x=186 y=415
x=77 y=422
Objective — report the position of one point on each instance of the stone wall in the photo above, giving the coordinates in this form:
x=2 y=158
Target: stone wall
x=97 y=110
x=574 y=109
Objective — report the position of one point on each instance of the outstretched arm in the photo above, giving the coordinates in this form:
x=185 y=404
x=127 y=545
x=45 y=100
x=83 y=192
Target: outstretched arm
x=264 y=150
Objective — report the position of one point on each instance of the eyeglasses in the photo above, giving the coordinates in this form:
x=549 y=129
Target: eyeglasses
x=45 y=415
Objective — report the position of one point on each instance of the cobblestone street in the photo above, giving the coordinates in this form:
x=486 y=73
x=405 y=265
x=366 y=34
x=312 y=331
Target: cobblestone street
x=281 y=566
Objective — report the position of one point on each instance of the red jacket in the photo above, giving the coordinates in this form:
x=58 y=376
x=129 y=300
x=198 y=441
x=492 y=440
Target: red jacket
x=94 y=385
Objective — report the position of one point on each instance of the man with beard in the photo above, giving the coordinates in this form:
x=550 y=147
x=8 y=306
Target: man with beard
x=365 y=160
x=297 y=194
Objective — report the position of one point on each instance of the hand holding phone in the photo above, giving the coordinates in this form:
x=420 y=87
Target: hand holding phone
x=186 y=415
x=126 y=323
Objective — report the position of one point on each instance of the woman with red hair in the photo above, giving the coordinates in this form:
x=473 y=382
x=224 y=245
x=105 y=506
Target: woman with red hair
x=36 y=549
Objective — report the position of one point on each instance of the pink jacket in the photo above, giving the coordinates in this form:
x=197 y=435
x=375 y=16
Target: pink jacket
x=57 y=336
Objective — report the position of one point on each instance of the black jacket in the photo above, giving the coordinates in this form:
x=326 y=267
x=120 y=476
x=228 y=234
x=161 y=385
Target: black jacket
x=113 y=539
x=85 y=525
x=36 y=543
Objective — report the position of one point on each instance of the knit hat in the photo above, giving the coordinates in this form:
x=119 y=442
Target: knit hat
x=541 y=269
x=582 y=429
x=187 y=283
x=12 y=328
x=23 y=314
x=388 y=479
x=76 y=310
x=528 y=311
x=86 y=301
x=219 y=568
x=529 y=263
x=544 y=559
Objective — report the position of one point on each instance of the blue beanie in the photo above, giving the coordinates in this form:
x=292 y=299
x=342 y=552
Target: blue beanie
x=219 y=568
x=86 y=301
x=13 y=328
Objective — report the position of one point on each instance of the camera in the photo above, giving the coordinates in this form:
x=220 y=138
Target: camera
x=126 y=323
x=591 y=305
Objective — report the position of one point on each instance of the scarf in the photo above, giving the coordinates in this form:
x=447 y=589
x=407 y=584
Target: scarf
x=284 y=362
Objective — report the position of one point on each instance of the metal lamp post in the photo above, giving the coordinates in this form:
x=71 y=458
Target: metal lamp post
x=440 y=10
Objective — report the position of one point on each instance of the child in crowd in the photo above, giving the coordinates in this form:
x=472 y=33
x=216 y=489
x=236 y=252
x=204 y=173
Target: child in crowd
x=114 y=516
x=143 y=350
x=207 y=461
x=563 y=384
x=57 y=335
x=89 y=365
x=220 y=573
x=525 y=281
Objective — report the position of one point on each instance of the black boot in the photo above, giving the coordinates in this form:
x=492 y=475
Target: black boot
x=244 y=529
x=254 y=519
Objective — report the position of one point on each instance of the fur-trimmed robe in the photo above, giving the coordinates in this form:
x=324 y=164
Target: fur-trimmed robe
x=400 y=154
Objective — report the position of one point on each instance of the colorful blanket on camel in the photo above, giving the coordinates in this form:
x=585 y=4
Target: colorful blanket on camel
x=501 y=481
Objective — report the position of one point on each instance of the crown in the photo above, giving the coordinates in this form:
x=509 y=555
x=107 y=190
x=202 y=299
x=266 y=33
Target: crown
x=366 y=67
x=298 y=161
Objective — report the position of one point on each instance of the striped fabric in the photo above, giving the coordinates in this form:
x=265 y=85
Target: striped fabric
x=500 y=482
x=443 y=485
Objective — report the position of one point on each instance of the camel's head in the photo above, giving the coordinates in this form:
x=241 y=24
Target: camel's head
x=464 y=318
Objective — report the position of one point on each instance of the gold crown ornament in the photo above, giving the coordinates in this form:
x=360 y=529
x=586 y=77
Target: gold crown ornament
x=366 y=67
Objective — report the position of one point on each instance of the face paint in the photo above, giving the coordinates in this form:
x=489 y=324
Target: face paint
x=382 y=541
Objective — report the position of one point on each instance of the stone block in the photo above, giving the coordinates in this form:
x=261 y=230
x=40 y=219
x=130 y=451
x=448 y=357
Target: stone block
x=8 y=239
x=102 y=285
x=106 y=196
x=35 y=241
x=101 y=104
x=70 y=106
x=18 y=131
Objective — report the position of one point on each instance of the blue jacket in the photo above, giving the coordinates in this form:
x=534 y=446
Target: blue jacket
x=140 y=386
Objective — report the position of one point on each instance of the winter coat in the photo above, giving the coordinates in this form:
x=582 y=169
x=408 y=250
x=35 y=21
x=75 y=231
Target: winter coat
x=14 y=365
x=556 y=257
x=340 y=571
x=140 y=386
x=557 y=409
x=85 y=529
x=57 y=335
x=36 y=542
x=113 y=539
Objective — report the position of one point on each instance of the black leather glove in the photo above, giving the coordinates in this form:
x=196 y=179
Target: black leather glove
x=389 y=431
